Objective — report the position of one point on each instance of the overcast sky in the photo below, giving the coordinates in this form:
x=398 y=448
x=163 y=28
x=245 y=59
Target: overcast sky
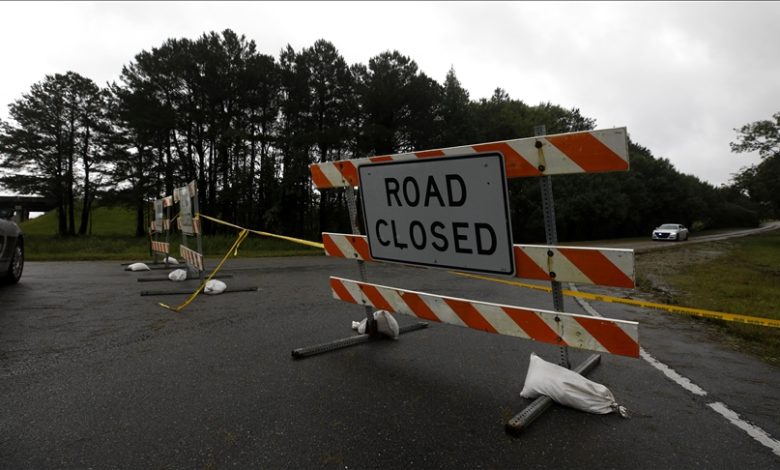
x=679 y=76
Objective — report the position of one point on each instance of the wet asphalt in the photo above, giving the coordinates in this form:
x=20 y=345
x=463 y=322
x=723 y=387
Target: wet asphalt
x=94 y=375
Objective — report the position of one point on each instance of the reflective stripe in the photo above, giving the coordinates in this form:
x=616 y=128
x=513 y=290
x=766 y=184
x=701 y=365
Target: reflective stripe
x=601 y=266
x=618 y=337
x=576 y=152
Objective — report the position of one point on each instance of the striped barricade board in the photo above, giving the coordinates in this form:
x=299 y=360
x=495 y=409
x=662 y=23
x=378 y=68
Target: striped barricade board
x=192 y=257
x=580 y=331
x=600 y=266
x=161 y=247
x=161 y=223
x=195 y=226
x=576 y=152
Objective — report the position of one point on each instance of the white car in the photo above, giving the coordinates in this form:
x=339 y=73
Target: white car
x=11 y=250
x=671 y=232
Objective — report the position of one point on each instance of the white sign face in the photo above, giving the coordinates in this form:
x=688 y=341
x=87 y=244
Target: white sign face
x=158 y=215
x=439 y=212
x=185 y=210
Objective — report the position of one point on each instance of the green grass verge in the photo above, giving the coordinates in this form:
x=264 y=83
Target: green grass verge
x=111 y=240
x=110 y=221
x=741 y=275
x=96 y=248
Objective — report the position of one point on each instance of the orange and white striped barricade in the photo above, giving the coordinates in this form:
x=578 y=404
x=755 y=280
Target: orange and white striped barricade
x=161 y=227
x=159 y=231
x=577 y=152
x=189 y=225
x=562 y=329
x=452 y=213
x=186 y=197
x=613 y=267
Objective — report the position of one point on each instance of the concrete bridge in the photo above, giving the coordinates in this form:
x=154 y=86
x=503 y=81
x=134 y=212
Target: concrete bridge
x=21 y=206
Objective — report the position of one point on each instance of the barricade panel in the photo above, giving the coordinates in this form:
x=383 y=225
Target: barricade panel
x=192 y=257
x=562 y=329
x=577 y=152
x=161 y=247
x=612 y=267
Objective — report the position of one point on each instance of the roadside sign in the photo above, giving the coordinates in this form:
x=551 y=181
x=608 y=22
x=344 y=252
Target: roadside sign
x=184 y=196
x=159 y=215
x=439 y=212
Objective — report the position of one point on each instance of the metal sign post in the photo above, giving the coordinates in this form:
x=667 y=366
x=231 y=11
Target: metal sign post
x=523 y=419
x=551 y=234
x=352 y=206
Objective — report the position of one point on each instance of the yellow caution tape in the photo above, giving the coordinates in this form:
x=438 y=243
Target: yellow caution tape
x=732 y=317
x=234 y=250
x=266 y=234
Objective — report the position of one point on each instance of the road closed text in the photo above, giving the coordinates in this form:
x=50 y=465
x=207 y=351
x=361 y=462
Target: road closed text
x=444 y=212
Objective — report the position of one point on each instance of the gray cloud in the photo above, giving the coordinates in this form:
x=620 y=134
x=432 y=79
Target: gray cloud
x=679 y=75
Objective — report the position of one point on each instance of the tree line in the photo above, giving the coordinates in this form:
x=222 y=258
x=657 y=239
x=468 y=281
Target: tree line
x=246 y=126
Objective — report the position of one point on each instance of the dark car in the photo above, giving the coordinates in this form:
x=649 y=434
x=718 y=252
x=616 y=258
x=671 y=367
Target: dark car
x=11 y=249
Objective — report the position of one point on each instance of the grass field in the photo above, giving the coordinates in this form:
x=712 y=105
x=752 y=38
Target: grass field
x=740 y=275
x=112 y=239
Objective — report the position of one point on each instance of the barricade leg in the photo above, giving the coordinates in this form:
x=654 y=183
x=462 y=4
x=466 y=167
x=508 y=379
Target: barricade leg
x=228 y=290
x=307 y=351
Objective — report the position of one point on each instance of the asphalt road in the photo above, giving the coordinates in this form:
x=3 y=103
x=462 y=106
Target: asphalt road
x=94 y=375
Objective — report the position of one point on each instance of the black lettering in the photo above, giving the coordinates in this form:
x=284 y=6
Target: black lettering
x=392 y=191
x=396 y=243
x=451 y=190
x=421 y=231
x=410 y=182
x=439 y=236
x=478 y=228
x=457 y=237
x=432 y=191
x=379 y=234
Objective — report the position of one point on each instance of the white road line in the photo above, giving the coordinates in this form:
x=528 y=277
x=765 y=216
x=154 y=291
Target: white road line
x=683 y=382
x=753 y=431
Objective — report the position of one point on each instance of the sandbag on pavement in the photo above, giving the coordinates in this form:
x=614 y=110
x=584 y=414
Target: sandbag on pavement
x=568 y=388
x=137 y=267
x=385 y=324
x=214 y=286
x=178 y=275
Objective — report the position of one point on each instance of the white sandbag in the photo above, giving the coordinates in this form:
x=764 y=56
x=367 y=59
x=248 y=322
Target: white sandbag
x=385 y=324
x=137 y=267
x=170 y=260
x=178 y=275
x=214 y=286
x=568 y=388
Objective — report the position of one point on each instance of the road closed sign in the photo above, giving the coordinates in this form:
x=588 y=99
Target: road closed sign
x=440 y=212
